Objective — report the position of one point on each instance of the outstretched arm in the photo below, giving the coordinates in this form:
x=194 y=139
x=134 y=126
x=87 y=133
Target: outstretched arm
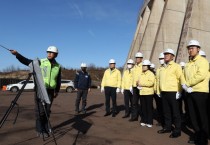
x=21 y=58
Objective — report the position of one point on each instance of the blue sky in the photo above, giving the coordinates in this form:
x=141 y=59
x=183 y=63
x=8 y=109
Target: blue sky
x=90 y=31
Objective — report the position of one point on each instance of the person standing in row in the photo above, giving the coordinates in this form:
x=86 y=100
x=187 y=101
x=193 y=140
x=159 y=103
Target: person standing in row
x=136 y=97
x=82 y=84
x=196 y=79
x=170 y=87
x=146 y=86
x=126 y=88
x=111 y=83
x=158 y=99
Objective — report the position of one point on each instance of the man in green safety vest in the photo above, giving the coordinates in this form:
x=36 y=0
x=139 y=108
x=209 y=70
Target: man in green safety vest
x=51 y=72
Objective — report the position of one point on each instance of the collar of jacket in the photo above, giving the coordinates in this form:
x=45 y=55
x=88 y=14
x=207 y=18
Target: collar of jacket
x=112 y=70
x=146 y=72
x=52 y=61
x=170 y=63
x=138 y=65
x=196 y=57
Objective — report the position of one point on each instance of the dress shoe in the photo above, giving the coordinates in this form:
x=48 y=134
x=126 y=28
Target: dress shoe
x=164 y=131
x=133 y=119
x=107 y=114
x=126 y=116
x=175 y=134
x=113 y=114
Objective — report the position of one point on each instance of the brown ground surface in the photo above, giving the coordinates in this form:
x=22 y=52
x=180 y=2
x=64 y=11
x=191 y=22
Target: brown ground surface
x=89 y=129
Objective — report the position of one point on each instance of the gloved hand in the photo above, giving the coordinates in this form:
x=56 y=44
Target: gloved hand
x=102 y=89
x=139 y=87
x=178 y=95
x=131 y=90
x=122 y=91
x=159 y=95
x=184 y=87
x=118 y=90
x=189 y=90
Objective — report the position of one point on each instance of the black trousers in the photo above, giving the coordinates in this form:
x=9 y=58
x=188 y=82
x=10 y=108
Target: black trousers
x=171 y=111
x=42 y=125
x=147 y=107
x=110 y=92
x=136 y=105
x=159 y=109
x=197 y=103
x=81 y=94
x=128 y=101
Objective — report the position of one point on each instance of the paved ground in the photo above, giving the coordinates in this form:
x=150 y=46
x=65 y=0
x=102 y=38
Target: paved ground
x=89 y=129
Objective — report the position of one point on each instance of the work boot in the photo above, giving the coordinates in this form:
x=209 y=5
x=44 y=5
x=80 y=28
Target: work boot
x=43 y=134
x=46 y=135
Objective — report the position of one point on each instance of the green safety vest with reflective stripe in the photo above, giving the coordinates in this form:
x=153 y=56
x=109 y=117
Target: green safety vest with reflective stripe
x=49 y=73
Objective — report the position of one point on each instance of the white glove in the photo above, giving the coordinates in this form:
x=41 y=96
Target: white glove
x=122 y=91
x=102 y=89
x=139 y=88
x=131 y=90
x=178 y=95
x=118 y=90
x=159 y=95
x=184 y=87
x=189 y=90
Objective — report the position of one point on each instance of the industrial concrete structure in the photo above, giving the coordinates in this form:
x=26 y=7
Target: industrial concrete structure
x=171 y=24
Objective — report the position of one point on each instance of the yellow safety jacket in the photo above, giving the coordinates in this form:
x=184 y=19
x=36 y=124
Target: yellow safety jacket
x=147 y=82
x=137 y=70
x=196 y=74
x=157 y=80
x=170 y=77
x=127 y=79
x=49 y=73
x=111 y=78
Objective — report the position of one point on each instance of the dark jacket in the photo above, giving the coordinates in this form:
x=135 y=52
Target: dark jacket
x=27 y=61
x=82 y=80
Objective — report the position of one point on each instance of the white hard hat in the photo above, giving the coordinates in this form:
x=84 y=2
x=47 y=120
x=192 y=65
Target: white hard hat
x=52 y=49
x=83 y=65
x=139 y=54
x=112 y=61
x=193 y=43
x=182 y=64
x=202 y=53
x=146 y=62
x=161 y=55
x=130 y=61
x=152 y=65
x=171 y=51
